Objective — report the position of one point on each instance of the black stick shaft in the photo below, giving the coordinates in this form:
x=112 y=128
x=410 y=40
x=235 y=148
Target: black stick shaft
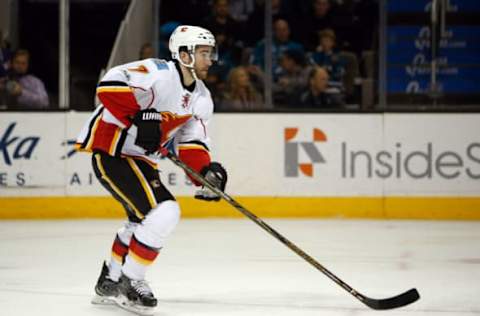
x=264 y=225
x=398 y=301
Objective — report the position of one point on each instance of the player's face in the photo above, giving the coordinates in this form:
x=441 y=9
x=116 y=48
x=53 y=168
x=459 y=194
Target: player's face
x=203 y=61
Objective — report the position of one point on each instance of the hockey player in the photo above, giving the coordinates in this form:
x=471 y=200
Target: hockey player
x=147 y=105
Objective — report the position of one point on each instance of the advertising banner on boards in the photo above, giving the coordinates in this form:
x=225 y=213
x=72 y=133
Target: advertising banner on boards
x=269 y=155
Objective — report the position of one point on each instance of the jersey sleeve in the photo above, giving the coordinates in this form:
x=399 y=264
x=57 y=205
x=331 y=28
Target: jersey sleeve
x=117 y=96
x=123 y=91
x=193 y=142
x=126 y=89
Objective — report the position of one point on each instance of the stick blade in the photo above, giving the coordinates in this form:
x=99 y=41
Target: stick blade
x=403 y=299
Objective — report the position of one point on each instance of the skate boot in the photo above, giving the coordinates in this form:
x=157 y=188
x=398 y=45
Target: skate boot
x=136 y=296
x=106 y=289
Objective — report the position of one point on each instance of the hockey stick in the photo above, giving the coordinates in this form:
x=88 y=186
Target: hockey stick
x=393 y=302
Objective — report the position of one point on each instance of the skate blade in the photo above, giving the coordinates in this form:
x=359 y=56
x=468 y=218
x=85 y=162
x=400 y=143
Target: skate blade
x=102 y=300
x=125 y=304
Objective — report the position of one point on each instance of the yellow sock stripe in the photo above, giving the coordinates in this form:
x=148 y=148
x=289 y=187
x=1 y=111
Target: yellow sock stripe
x=146 y=187
x=113 y=145
x=88 y=147
x=115 y=188
x=117 y=258
x=139 y=259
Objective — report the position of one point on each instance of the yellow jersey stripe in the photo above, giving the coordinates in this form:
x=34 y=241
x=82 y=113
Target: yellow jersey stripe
x=113 y=89
x=191 y=146
x=115 y=188
x=88 y=147
x=113 y=145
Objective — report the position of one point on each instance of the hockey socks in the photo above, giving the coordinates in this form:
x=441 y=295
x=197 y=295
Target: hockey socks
x=139 y=257
x=119 y=252
x=149 y=238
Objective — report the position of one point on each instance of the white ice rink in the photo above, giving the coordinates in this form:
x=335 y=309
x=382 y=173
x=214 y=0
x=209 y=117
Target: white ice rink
x=233 y=267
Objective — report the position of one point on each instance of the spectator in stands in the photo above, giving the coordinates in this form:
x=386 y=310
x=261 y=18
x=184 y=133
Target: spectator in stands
x=257 y=77
x=328 y=56
x=146 y=51
x=292 y=79
x=281 y=43
x=321 y=17
x=240 y=10
x=256 y=21
x=221 y=22
x=21 y=89
x=240 y=93
x=319 y=95
x=218 y=72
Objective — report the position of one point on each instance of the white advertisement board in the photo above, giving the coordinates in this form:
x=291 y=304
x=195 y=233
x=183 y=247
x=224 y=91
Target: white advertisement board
x=298 y=155
x=431 y=154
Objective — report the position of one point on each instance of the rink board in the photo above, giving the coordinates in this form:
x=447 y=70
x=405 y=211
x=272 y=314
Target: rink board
x=461 y=208
x=280 y=165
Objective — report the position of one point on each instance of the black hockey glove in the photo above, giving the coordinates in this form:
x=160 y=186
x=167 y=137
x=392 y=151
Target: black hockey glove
x=149 y=133
x=216 y=175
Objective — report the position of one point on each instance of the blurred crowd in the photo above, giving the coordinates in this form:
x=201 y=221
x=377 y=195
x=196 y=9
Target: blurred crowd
x=322 y=54
x=320 y=50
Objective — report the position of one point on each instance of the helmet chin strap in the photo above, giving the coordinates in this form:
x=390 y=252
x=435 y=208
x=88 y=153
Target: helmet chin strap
x=194 y=74
x=190 y=66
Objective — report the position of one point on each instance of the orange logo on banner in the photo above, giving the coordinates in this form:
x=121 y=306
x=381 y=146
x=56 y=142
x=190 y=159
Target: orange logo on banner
x=292 y=148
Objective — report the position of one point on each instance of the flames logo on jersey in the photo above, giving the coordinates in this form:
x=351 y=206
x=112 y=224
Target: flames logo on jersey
x=170 y=122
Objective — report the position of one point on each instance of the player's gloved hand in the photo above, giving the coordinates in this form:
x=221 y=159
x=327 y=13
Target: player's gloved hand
x=216 y=175
x=149 y=133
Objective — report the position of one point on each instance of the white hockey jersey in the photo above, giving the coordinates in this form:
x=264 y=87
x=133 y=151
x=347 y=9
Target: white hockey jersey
x=144 y=84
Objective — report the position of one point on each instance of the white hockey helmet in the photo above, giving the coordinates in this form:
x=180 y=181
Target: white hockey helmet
x=189 y=37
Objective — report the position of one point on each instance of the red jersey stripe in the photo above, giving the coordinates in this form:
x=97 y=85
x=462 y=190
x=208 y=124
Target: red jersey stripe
x=120 y=102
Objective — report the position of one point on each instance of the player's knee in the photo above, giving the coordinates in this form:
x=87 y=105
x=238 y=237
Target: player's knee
x=161 y=221
x=167 y=215
x=125 y=233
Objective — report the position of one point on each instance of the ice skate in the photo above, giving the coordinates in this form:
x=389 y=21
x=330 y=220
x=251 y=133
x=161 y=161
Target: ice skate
x=106 y=289
x=136 y=296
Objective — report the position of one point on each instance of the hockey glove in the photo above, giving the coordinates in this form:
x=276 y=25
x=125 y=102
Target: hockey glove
x=149 y=133
x=216 y=175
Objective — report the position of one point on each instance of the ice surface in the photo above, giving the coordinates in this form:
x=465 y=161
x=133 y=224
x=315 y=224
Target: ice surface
x=232 y=267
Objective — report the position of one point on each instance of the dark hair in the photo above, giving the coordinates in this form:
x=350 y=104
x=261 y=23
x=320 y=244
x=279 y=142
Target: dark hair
x=296 y=55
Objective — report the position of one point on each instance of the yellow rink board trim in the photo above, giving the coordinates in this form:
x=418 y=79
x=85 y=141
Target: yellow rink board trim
x=461 y=208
